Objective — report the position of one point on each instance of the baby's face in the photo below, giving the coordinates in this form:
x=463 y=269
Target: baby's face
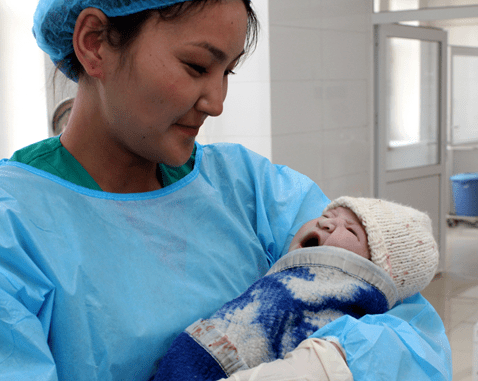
x=338 y=227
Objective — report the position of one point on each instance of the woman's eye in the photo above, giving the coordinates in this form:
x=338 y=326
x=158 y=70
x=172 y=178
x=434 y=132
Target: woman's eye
x=229 y=72
x=197 y=68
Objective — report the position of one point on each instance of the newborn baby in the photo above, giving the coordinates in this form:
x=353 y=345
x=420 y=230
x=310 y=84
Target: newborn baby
x=339 y=227
x=360 y=257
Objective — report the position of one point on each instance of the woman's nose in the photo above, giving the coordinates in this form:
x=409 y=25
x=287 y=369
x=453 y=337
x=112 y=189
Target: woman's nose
x=212 y=99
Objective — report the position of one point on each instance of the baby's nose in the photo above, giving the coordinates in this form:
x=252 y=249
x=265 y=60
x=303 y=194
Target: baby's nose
x=327 y=224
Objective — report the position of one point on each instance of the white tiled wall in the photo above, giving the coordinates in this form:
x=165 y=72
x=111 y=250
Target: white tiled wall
x=23 y=118
x=321 y=58
x=305 y=98
x=247 y=115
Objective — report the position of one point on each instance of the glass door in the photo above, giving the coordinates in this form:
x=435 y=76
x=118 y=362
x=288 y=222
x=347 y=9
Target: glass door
x=410 y=110
x=464 y=99
x=412 y=101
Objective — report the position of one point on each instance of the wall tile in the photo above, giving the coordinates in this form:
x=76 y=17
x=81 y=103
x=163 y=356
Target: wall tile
x=298 y=13
x=23 y=115
x=246 y=112
x=349 y=15
x=346 y=55
x=296 y=107
x=347 y=152
x=301 y=152
x=321 y=106
x=256 y=67
x=247 y=118
x=357 y=185
x=346 y=104
x=296 y=53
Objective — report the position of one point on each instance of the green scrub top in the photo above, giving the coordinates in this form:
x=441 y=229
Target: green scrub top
x=50 y=156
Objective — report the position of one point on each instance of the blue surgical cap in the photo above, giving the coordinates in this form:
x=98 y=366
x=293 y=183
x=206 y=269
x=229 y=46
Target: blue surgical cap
x=54 y=21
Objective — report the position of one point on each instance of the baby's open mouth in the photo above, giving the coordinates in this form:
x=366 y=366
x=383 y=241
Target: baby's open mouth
x=310 y=241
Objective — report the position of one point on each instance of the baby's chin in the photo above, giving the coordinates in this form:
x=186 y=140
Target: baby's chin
x=299 y=246
x=295 y=246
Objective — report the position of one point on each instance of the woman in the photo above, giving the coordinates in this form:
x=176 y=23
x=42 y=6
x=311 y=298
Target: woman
x=122 y=232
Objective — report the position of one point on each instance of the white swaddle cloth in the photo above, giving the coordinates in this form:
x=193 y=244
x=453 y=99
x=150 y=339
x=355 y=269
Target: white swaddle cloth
x=302 y=292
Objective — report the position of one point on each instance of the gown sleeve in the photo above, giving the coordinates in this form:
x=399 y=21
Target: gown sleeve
x=406 y=343
x=276 y=199
x=26 y=302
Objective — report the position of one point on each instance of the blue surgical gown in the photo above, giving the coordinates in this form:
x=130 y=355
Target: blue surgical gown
x=95 y=286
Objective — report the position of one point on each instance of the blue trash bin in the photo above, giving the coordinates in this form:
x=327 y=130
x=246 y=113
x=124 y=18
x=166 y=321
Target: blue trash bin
x=465 y=194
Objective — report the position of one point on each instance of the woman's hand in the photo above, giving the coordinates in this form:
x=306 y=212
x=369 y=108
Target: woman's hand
x=313 y=360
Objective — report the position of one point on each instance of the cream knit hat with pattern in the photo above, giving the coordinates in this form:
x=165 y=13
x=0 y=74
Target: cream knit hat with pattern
x=400 y=239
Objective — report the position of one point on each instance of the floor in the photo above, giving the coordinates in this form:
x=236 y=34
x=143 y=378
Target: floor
x=454 y=294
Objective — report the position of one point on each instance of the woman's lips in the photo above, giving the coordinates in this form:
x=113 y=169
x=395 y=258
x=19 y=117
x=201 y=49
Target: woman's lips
x=188 y=130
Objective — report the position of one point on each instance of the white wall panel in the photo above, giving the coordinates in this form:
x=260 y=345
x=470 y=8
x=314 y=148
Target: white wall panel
x=321 y=60
x=246 y=117
x=22 y=79
x=301 y=150
x=297 y=107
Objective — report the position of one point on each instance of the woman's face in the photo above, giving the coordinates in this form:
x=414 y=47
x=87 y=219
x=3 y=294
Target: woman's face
x=177 y=76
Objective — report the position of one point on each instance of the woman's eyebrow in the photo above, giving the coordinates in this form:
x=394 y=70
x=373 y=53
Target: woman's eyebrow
x=218 y=54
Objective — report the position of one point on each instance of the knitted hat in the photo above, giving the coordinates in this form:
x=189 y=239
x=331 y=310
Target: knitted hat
x=400 y=239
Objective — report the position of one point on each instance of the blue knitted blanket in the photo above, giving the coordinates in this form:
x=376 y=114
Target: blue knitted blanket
x=302 y=292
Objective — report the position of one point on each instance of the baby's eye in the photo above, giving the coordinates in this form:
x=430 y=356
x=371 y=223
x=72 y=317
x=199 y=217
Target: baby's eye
x=353 y=232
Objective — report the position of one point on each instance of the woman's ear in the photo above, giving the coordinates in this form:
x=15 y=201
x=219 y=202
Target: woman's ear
x=89 y=43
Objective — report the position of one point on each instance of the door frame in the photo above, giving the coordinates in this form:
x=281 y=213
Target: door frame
x=452 y=147
x=458 y=51
x=382 y=176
